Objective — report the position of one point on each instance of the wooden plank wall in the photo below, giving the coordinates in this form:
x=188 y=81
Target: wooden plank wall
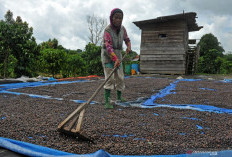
x=164 y=55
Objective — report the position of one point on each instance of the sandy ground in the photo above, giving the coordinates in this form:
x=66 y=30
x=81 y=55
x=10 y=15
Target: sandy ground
x=123 y=130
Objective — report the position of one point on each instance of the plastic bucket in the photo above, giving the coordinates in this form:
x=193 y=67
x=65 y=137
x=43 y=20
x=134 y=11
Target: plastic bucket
x=135 y=67
x=133 y=72
x=128 y=69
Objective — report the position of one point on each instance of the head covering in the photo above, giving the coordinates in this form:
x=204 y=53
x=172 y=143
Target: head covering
x=114 y=11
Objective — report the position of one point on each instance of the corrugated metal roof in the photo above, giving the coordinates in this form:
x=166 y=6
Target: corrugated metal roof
x=190 y=18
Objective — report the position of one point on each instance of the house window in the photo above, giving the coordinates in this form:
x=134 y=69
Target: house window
x=162 y=36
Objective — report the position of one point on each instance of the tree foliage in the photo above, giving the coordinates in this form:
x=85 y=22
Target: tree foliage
x=212 y=60
x=209 y=42
x=228 y=56
x=74 y=66
x=17 y=40
x=52 y=60
x=129 y=57
x=92 y=57
x=51 y=44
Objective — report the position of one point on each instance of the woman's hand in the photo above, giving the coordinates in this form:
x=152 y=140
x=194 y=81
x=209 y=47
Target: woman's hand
x=117 y=63
x=128 y=50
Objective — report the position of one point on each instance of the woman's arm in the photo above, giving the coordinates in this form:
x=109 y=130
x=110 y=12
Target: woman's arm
x=127 y=41
x=109 y=48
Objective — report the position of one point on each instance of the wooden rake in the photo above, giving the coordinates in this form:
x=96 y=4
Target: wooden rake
x=75 y=121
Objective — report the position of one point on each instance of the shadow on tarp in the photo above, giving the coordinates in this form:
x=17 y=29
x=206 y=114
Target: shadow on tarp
x=29 y=149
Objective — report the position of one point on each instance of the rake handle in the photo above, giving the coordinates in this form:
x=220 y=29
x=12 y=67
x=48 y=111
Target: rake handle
x=83 y=106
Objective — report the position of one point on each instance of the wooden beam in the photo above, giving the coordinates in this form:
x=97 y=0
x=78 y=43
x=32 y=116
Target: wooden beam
x=160 y=48
x=162 y=72
x=148 y=52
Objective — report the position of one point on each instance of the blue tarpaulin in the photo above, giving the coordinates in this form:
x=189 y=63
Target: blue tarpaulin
x=38 y=151
x=166 y=91
x=4 y=88
x=227 y=80
x=29 y=149
x=197 y=107
x=150 y=103
x=34 y=84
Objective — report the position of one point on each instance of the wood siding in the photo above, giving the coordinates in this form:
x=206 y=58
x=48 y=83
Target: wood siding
x=164 y=47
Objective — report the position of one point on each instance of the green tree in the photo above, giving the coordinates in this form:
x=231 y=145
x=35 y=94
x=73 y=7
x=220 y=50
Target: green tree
x=12 y=63
x=209 y=42
x=6 y=34
x=16 y=39
x=79 y=50
x=210 y=62
x=129 y=57
x=25 y=49
x=211 y=54
x=52 y=60
x=92 y=58
x=228 y=56
x=74 y=66
x=53 y=44
x=226 y=67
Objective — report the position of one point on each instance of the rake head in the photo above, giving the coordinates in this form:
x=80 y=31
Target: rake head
x=72 y=124
x=80 y=135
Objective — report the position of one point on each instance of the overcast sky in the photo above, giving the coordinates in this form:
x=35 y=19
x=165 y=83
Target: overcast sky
x=66 y=21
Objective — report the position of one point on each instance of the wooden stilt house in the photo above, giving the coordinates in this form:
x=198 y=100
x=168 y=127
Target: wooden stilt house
x=165 y=45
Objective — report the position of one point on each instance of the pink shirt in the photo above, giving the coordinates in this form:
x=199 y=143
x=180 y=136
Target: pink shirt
x=109 y=44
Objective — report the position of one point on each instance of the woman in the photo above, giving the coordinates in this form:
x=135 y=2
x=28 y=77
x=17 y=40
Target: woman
x=114 y=35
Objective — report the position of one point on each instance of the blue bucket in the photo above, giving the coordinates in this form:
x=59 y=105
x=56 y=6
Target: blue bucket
x=135 y=67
